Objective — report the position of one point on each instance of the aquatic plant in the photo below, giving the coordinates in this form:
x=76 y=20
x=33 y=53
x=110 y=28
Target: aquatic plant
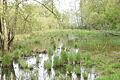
x=7 y=60
x=86 y=58
x=56 y=61
x=77 y=69
x=23 y=64
x=48 y=64
x=72 y=57
x=69 y=68
x=63 y=58
x=50 y=51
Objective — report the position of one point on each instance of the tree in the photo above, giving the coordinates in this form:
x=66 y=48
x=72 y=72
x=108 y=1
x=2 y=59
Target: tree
x=6 y=35
x=51 y=8
x=100 y=14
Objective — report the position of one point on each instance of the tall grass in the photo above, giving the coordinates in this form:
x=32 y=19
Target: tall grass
x=95 y=48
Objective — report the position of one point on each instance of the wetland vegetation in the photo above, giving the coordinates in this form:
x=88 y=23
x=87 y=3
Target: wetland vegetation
x=41 y=41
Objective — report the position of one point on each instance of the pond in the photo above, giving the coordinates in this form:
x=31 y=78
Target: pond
x=33 y=68
x=63 y=63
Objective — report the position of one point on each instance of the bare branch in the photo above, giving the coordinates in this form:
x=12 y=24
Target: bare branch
x=50 y=10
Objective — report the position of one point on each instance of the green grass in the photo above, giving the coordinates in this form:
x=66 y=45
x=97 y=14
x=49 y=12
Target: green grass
x=23 y=64
x=7 y=60
x=111 y=77
x=91 y=40
x=96 y=48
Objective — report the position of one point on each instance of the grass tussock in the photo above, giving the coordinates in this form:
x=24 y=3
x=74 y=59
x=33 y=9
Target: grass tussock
x=95 y=48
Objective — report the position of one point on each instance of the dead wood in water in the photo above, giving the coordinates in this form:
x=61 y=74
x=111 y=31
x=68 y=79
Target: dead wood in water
x=40 y=51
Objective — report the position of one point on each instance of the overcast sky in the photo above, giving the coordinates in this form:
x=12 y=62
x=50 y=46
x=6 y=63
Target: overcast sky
x=68 y=5
x=62 y=5
x=65 y=5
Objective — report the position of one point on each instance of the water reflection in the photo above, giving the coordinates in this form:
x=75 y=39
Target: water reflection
x=16 y=70
x=37 y=71
x=52 y=70
x=82 y=72
x=7 y=72
x=42 y=73
x=91 y=75
x=59 y=49
x=74 y=76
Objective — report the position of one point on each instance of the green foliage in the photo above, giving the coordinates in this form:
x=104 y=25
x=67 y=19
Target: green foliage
x=48 y=64
x=116 y=65
x=72 y=57
x=95 y=47
x=86 y=57
x=78 y=56
x=63 y=58
x=110 y=77
x=29 y=17
x=85 y=75
x=50 y=51
x=94 y=14
x=69 y=68
x=56 y=61
x=7 y=59
x=77 y=69
x=102 y=14
x=23 y=63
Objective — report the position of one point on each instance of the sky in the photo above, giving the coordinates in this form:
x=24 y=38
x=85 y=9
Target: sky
x=61 y=5
x=67 y=5
x=64 y=5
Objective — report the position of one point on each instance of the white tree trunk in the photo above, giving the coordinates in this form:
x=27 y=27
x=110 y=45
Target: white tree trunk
x=5 y=34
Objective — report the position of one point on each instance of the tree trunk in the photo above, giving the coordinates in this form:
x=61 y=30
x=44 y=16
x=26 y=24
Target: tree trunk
x=6 y=36
x=4 y=26
x=16 y=13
